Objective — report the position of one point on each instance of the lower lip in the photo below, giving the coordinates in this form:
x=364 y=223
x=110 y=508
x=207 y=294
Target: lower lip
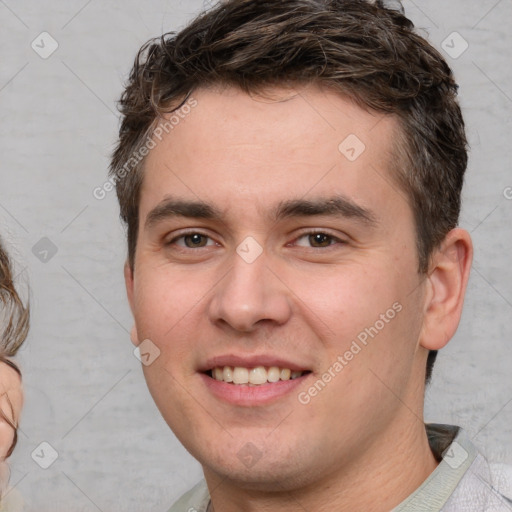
x=249 y=396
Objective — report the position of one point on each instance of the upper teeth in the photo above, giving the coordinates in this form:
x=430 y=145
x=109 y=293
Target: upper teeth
x=258 y=375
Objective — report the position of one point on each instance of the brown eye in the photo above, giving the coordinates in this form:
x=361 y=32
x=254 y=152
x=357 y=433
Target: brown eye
x=195 y=240
x=319 y=240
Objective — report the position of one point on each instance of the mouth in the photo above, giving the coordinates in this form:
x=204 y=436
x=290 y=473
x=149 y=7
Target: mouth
x=253 y=380
x=256 y=376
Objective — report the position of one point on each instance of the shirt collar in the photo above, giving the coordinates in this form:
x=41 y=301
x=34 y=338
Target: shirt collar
x=452 y=447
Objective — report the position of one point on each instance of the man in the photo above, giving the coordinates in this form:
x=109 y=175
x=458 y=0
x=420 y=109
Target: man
x=290 y=175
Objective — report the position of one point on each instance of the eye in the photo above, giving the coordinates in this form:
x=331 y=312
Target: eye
x=192 y=240
x=317 y=240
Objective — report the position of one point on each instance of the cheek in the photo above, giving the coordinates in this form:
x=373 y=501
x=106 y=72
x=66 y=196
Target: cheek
x=346 y=300
x=169 y=307
x=164 y=299
x=367 y=315
x=9 y=408
x=6 y=437
x=368 y=330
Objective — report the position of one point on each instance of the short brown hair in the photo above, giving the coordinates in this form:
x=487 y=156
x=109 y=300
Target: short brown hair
x=359 y=48
x=14 y=318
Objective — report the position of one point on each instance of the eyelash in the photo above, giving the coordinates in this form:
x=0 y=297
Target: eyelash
x=185 y=234
x=334 y=240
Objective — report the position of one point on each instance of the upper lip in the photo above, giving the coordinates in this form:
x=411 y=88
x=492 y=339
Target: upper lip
x=252 y=361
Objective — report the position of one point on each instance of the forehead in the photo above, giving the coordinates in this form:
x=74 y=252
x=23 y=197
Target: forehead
x=266 y=148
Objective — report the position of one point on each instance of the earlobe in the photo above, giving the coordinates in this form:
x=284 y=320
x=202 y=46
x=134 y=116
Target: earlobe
x=447 y=280
x=134 y=336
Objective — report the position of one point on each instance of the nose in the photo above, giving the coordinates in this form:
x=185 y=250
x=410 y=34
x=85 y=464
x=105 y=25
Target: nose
x=249 y=296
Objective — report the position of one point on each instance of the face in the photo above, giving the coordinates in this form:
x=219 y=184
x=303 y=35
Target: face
x=274 y=243
x=11 y=401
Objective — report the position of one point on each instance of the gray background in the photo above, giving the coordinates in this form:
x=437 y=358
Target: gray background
x=85 y=394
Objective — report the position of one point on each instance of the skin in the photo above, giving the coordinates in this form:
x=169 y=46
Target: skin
x=11 y=403
x=360 y=443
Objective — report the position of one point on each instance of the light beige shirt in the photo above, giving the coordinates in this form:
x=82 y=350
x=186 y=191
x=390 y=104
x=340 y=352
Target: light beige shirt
x=462 y=482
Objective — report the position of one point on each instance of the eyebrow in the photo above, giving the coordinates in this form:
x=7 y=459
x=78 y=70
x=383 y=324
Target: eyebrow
x=333 y=206
x=171 y=207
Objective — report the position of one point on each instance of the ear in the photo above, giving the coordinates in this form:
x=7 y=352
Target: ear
x=128 y=281
x=446 y=286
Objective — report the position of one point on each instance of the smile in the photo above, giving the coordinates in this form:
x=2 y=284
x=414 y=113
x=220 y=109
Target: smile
x=257 y=376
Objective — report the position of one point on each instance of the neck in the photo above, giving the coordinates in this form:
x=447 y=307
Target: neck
x=388 y=471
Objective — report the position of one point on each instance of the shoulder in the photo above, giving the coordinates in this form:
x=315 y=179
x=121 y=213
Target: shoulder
x=501 y=478
x=484 y=487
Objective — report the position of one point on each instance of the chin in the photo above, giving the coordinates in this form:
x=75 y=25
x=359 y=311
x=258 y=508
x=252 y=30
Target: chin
x=268 y=478
x=269 y=470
